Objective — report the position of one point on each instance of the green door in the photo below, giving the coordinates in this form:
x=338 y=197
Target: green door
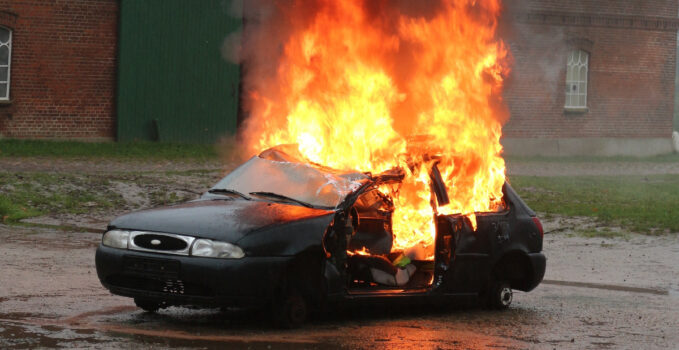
x=173 y=84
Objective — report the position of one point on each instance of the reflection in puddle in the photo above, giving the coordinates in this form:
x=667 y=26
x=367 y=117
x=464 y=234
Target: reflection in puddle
x=402 y=327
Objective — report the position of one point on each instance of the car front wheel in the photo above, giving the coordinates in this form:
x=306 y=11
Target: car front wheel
x=290 y=311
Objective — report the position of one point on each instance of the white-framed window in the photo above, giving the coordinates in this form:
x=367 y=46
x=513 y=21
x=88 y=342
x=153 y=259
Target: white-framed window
x=576 y=79
x=5 y=61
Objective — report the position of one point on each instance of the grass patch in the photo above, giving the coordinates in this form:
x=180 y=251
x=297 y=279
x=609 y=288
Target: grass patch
x=665 y=158
x=602 y=233
x=26 y=195
x=645 y=204
x=10 y=211
x=127 y=150
x=165 y=196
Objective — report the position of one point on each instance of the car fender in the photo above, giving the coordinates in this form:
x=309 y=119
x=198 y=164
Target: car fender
x=287 y=239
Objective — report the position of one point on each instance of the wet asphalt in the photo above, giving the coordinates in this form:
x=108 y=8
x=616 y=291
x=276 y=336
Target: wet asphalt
x=50 y=297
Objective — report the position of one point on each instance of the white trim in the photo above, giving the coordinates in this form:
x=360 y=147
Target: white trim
x=9 y=64
x=576 y=84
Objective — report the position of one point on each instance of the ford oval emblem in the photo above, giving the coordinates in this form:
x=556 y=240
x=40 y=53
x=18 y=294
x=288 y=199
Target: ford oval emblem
x=155 y=242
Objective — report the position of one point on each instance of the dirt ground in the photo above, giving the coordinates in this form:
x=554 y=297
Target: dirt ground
x=598 y=293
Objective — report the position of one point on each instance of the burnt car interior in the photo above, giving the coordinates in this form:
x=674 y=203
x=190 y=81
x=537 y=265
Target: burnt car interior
x=371 y=263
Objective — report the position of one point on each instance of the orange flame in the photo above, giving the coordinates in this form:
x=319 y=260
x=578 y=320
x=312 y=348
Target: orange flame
x=362 y=251
x=361 y=85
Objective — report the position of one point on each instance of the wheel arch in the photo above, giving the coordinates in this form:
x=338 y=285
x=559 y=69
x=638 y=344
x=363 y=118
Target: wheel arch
x=304 y=272
x=514 y=267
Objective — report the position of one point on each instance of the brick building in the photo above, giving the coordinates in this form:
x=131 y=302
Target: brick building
x=65 y=80
x=61 y=59
x=591 y=76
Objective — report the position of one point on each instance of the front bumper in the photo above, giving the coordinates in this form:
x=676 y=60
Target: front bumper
x=185 y=280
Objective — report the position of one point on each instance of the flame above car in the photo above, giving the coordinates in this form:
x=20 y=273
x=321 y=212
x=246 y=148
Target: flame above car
x=357 y=79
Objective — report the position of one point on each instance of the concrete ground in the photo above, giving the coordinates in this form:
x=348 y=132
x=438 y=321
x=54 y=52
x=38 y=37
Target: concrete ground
x=598 y=293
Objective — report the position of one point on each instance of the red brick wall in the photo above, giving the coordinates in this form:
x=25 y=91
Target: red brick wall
x=631 y=67
x=660 y=8
x=63 y=69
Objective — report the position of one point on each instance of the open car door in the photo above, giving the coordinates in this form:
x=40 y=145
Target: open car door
x=463 y=255
x=452 y=272
x=447 y=231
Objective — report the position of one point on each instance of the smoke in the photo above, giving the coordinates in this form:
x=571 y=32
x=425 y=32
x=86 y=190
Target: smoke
x=539 y=51
x=267 y=26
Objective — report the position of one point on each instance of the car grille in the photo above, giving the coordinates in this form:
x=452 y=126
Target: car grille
x=170 y=286
x=158 y=242
x=166 y=243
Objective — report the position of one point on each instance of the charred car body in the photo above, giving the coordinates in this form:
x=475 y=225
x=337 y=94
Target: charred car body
x=280 y=232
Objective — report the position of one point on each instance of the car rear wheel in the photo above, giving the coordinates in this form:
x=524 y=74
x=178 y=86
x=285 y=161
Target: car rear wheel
x=290 y=310
x=148 y=305
x=500 y=295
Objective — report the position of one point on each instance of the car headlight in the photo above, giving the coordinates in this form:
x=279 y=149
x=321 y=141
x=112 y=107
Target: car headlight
x=214 y=249
x=116 y=239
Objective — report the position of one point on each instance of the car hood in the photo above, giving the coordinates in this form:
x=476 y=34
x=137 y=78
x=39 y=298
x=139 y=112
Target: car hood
x=225 y=220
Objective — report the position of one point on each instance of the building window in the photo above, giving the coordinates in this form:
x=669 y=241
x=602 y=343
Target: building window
x=5 y=61
x=576 y=80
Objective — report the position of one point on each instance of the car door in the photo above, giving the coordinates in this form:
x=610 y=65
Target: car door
x=462 y=257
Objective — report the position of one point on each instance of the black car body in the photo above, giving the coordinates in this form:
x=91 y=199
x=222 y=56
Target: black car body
x=289 y=247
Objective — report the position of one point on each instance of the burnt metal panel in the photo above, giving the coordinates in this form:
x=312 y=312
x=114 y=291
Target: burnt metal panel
x=173 y=84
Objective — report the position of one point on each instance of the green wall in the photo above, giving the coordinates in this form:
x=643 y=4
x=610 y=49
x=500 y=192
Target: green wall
x=173 y=84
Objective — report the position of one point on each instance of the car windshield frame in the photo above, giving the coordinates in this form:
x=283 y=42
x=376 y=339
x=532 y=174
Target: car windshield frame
x=302 y=183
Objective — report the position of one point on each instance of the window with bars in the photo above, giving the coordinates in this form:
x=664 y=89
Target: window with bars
x=5 y=61
x=576 y=79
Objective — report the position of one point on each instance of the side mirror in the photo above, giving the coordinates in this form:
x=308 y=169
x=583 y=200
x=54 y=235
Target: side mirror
x=438 y=186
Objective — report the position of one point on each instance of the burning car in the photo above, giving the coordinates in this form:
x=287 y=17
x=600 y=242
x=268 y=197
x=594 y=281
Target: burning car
x=293 y=235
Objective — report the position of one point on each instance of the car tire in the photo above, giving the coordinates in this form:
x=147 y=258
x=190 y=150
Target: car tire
x=147 y=305
x=290 y=311
x=500 y=295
